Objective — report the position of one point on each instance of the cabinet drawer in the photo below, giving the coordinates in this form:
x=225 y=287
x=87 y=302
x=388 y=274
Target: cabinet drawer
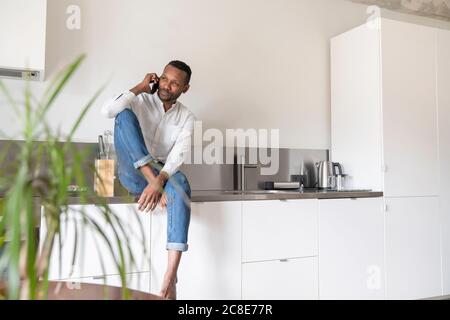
x=279 y=229
x=291 y=279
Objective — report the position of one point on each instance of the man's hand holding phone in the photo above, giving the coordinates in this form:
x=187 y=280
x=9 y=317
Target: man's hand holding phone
x=144 y=86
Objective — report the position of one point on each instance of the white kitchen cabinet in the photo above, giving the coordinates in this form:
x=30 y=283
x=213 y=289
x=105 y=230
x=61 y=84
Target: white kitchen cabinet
x=409 y=109
x=289 y=279
x=23 y=29
x=351 y=249
x=413 y=260
x=94 y=256
x=136 y=232
x=277 y=229
x=211 y=268
x=356 y=140
x=443 y=68
x=383 y=107
x=89 y=245
x=135 y=281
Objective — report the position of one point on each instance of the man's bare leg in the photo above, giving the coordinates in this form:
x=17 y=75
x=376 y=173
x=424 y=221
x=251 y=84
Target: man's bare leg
x=168 y=288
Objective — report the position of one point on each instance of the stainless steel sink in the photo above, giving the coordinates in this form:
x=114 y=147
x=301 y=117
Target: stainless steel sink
x=231 y=192
x=238 y=192
x=269 y=191
x=354 y=190
x=258 y=191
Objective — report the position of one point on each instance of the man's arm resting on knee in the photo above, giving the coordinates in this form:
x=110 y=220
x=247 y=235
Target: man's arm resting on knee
x=152 y=193
x=150 y=176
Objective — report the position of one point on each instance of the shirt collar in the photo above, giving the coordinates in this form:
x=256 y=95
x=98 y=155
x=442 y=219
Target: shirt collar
x=161 y=105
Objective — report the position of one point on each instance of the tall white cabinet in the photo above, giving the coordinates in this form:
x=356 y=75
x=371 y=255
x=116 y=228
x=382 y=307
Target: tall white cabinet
x=383 y=105
x=408 y=78
x=389 y=87
x=443 y=81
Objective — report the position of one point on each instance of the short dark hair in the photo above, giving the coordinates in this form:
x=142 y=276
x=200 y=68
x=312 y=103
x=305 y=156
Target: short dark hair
x=183 y=67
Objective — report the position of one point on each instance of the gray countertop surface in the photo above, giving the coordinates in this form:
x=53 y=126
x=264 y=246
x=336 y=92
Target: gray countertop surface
x=206 y=196
x=214 y=196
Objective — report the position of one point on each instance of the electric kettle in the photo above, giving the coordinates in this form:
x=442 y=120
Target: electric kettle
x=325 y=170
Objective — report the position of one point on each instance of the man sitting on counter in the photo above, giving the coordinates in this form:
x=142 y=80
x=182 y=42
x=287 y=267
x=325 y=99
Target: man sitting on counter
x=152 y=133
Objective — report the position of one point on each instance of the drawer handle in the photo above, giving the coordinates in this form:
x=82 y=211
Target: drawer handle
x=283 y=260
x=99 y=277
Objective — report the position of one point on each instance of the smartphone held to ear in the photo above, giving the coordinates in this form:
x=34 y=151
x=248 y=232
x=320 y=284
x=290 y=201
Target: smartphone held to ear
x=154 y=87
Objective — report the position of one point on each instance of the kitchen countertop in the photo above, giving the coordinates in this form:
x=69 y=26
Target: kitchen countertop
x=214 y=196
x=210 y=196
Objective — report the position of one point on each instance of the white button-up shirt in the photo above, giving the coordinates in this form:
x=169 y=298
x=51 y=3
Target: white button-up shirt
x=167 y=135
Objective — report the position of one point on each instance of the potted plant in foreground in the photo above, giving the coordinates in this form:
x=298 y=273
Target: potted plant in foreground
x=40 y=177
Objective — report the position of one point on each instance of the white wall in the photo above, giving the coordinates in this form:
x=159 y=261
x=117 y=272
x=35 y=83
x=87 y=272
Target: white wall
x=256 y=64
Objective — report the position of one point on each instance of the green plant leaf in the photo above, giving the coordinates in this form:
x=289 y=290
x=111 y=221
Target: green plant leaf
x=59 y=85
x=14 y=209
x=45 y=170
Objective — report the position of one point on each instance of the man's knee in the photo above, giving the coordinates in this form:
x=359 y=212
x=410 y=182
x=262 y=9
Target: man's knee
x=125 y=116
x=180 y=178
x=179 y=182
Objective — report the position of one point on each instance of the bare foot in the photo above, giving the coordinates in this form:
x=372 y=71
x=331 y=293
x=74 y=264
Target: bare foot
x=169 y=288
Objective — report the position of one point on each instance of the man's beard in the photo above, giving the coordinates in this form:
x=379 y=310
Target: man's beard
x=166 y=96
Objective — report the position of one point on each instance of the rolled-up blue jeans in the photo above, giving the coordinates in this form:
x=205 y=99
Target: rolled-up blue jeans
x=132 y=154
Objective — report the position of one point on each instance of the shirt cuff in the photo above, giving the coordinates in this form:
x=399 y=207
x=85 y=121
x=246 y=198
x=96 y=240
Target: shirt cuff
x=169 y=169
